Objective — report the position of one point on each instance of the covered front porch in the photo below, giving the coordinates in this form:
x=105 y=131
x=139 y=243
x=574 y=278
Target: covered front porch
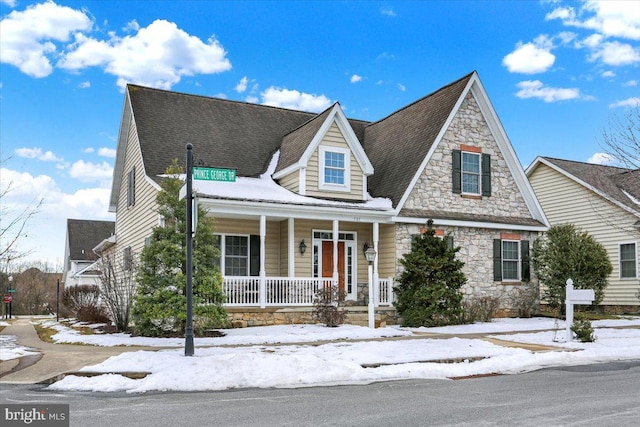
x=271 y=261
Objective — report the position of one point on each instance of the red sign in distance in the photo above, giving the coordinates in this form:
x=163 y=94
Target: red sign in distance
x=7 y=299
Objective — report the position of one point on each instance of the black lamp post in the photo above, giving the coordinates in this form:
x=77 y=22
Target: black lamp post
x=188 y=343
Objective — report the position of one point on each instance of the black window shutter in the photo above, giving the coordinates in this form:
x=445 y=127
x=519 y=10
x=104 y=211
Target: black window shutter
x=497 y=260
x=449 y=238
x=526 y=270
x=486 y=175
x=457 y=171
x=254 y=255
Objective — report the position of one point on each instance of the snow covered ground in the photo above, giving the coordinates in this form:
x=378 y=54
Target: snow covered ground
x=9 y=348
x=265 y=357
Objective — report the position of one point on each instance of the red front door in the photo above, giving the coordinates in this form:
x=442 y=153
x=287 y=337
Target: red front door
x=327 y=262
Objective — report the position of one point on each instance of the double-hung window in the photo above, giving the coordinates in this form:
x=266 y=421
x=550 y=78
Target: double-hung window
x=628 y=257
x=239 y=254
x=334 y=169
x=470 y=173
x=511 y=259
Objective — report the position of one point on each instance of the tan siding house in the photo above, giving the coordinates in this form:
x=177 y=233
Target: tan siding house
x=313 y=191
x=599 y=200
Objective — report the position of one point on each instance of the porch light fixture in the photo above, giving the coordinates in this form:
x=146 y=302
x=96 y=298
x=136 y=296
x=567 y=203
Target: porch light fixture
x=369 y=253
x=303 y=247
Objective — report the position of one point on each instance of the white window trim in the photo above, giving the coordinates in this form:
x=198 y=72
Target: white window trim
x=519 y=259
x=462 y=172
x=635 y=244
x=223 y=249
x=346 y=187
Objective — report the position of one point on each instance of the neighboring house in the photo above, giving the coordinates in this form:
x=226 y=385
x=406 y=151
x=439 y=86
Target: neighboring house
x=314 y=190
x=603 y=201
x=79 y=255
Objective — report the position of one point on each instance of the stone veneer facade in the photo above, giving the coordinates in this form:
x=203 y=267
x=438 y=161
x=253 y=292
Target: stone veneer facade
x=434 y=192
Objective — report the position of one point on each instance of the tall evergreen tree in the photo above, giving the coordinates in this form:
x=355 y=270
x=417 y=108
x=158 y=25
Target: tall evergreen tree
x=429 y=290
x=160 y=305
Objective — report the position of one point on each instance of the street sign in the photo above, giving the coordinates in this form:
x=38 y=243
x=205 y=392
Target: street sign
x=12 y=290
x=7 y=299
x=214 y=174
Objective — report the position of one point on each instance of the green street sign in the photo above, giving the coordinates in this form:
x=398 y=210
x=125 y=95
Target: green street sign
x=214 y=174
x=12 y=290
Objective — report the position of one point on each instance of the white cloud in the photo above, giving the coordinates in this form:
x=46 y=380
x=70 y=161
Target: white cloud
x=242 y=84
x=530 y=58
x=387 y=11
x=294 y=99
x=91 y=172
x=631 y=83
x=608 y=74
x=356 y=78
x=252 y=99
x=26 y=37
x=615 y=53
x=88 y=150
x=609 y=18
x=401 y=87
x=132 y=26
x=158 y=55
x=38 y=154
x=85 y=85
x=601 y=159
x=46 y=230
x=629 y=102
x=107 y=152
x=10 y=3
x=536 y=89
x=385 y=55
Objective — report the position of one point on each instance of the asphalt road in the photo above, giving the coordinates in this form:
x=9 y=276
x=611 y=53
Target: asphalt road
x=594 y=395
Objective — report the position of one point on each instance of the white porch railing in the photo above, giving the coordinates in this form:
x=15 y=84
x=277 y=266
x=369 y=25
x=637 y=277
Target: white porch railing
x=386 y=291
x=280 y=291
x=244 y=291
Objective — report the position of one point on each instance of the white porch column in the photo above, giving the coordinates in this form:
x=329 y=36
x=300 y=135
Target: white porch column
x=376 y=276
x=335 y=252
x=292 y=248
x=263 y=271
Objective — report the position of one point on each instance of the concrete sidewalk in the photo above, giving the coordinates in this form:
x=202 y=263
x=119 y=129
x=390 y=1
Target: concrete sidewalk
x=56 y=360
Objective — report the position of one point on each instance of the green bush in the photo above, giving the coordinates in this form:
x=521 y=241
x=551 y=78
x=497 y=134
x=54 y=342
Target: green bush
x=428 y=293
x=565 y=252
x=582 y=328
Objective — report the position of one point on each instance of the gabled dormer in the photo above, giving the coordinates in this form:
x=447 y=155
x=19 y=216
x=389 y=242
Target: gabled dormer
x=323 y=158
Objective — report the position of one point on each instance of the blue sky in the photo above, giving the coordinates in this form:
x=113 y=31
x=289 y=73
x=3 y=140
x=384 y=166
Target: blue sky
x=555 y=71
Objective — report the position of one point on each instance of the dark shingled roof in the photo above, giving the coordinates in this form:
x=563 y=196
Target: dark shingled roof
x=84 y=235
x=460 y=216
x=223 y=133
x=245 y=136
x=296 y=142
x=397 y=144
x=610 y=180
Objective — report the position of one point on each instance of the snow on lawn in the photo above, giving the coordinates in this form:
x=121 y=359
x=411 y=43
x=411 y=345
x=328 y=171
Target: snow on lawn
x=280 y=334
x=348 y=361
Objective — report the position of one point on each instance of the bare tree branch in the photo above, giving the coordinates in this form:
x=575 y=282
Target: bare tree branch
x=621 y=140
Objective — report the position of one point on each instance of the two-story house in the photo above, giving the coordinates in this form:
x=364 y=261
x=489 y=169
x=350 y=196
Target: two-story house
x=604 y=201
x=79 y=255
x=314 y=190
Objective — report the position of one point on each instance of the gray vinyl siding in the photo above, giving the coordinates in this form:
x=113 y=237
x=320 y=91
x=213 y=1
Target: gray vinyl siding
x=565 y=201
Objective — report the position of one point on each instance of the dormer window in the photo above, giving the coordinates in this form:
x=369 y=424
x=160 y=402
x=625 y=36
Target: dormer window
x=334 y=169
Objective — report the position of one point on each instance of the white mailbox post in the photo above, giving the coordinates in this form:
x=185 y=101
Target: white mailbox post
x=575 y=296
